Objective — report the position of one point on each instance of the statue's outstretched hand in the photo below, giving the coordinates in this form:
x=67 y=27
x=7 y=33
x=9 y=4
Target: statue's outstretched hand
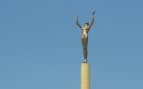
x=76 y=18
x=93 y=13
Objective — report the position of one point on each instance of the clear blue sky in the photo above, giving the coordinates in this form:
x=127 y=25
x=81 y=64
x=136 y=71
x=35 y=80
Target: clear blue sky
x=40 y=46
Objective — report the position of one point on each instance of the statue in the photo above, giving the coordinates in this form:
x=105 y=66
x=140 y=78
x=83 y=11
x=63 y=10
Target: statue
x=84 y=38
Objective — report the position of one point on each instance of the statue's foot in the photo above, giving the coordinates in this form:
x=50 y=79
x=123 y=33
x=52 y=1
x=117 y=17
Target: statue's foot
x=84 y=60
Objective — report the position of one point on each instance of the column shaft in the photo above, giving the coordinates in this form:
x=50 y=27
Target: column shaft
x=85 y=76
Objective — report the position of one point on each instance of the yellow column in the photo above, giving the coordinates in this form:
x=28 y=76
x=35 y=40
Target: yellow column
x=85 y=76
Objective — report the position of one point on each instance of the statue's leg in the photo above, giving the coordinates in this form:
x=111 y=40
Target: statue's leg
x=85 y=51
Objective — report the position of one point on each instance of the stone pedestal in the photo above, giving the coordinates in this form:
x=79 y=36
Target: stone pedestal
x=85 y=76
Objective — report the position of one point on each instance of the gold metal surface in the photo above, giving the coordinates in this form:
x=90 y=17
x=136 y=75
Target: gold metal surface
x=84 y=38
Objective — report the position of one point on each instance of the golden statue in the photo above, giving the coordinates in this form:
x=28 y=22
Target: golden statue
x=84 y=38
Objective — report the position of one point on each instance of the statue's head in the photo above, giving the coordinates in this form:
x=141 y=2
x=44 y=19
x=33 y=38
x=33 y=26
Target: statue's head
x=86 y=25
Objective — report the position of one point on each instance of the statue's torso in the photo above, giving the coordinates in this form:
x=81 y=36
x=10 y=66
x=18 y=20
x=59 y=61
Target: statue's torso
x=84 y=33
x=85 y=30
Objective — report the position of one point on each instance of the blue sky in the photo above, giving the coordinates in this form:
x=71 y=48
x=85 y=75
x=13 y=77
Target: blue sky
x=40 y=46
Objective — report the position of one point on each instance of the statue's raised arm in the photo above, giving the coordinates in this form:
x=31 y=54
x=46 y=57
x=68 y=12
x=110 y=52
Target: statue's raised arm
x=77 y=23
x=92 y=19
